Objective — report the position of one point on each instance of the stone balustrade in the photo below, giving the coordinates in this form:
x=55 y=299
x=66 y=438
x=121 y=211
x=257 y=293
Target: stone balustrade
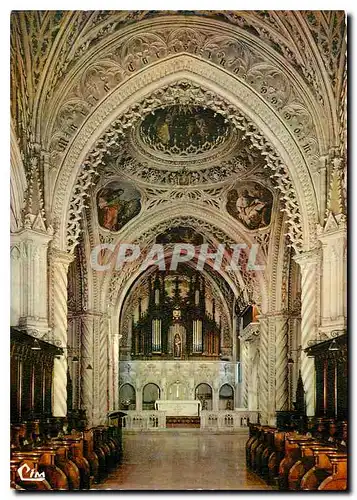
x=225 y=420
x=215 y=420
x=144 y=420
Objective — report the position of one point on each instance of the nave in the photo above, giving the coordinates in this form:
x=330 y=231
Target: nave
x=183 y=460
x=178 y=250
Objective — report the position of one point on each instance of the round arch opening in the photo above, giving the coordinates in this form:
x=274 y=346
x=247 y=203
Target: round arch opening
x=203 y=393
x=226 y=397
x=127 y=398
x=151 y=393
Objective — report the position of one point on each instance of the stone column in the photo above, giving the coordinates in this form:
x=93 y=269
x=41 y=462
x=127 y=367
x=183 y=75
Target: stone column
x=244 y=351
x=112 y=342
x=110 y=353
x=235 y=357
x=215 y=398
x=115 y=360
x=29 y=285
x=281 y=362
x=59 y=262
x=334 y=276
x=87 y=386
x=234 y=330
x=94 y=352
x=74 y=340
x=103 y=368
x=295 y=354
x=139 y=398
x=309 y=263
x=250 y=358
x=264 y=368
x=253 y=357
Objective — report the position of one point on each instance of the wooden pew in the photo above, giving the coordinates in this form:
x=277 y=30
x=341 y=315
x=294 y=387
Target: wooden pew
x=321 y=469
x=292 y=455
x=305 y=463
x=337 y=481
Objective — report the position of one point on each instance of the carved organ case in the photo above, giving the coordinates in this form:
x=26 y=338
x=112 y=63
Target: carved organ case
x=176 y=326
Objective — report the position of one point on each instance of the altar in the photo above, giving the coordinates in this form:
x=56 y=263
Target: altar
x=179 y=408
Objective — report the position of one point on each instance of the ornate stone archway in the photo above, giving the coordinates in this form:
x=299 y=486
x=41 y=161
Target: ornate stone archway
x=225 y=93
x=220 y=91
x=115 y=287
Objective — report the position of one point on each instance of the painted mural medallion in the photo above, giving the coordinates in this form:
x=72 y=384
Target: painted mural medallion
x=251 y=204
x=180 y=234
x=184 y=130
x=117 y=204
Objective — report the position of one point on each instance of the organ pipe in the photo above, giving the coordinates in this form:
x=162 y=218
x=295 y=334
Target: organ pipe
x=197 y=335
x=156 y=335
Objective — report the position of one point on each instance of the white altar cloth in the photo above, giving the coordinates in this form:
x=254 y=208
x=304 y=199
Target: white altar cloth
x=178 y=408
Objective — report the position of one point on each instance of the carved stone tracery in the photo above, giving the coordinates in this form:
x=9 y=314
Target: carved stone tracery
x=238 y=56
x=194 y=94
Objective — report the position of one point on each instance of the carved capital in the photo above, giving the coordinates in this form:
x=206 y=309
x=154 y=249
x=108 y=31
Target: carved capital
x=60 y=257
x=308 y=258
x=250 y=332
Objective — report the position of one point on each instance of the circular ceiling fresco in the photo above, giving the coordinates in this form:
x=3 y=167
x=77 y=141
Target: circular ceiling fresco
x=182 y=131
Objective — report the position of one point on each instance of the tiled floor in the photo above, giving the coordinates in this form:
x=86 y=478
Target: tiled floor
x=183 y=459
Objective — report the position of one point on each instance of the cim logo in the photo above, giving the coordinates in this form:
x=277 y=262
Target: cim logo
x=27 y=474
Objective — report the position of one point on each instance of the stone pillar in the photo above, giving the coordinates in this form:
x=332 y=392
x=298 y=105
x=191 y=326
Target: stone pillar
x=235 y=357
x=238 y=389
x=334 y=276
x=309 y=263
x=115 y=377
x=102 y=365
x=74 y=340
x=29 y=285
x=113 y=356
x=281 y=362
x=215 y=398
x=253 y=356
x=59 y=262
x=295 y=354
x=87 y=385
x=111 y=405
x=94 y=352
x=16 y=257
x=250 y=356
x=264 y=368
x=245 y=373
x=139 y=398
x=322 y=182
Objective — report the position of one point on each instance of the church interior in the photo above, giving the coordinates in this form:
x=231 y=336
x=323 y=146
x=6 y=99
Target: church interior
x=207 y=131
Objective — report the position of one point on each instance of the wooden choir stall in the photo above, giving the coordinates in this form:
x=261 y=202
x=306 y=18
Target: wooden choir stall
x=49 y=453
x=308 y=453
x=31 y=376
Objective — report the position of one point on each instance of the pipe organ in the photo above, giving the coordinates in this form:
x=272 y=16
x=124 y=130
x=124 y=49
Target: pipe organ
x=176 y=325
x=197 y=335
x=156 y=335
